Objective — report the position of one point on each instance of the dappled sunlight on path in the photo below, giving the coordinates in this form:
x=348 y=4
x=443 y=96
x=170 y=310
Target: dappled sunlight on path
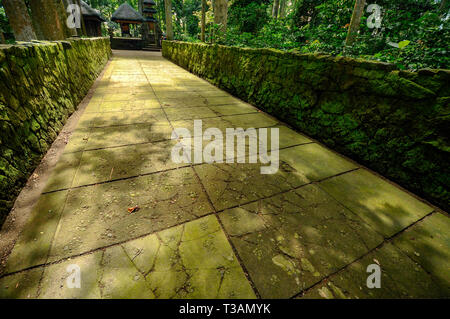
x=217 y=230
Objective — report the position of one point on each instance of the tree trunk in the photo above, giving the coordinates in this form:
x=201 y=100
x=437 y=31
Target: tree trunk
x=45 y=14
x=169 y=29
x=276 y=5
x=282 y=12
x=355 y=22
x=443 y=6
x=202 y=36
x=220 y=8
x=19 y=20
x=61 y=8
x=2 y=37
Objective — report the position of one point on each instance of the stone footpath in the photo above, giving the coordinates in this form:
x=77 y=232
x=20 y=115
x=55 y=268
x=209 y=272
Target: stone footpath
x=214 y=230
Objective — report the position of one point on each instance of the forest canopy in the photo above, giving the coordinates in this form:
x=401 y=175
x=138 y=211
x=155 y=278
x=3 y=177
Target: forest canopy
x=413 y=34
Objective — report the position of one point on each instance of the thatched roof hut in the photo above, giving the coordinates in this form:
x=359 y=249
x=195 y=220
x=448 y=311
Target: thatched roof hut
x=87 y=11
x=126 y=14
x=92 y=20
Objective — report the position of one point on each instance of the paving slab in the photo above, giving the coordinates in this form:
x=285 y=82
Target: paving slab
x=126 y=161
x=314 y=161
x=193 y=260
x=143 y=88
x=128 y=105
x=64 y=172
x=101 y=137
x=177 y=114
x=120 y=279
x=22 y=285
x=212 y=93
x=97 y=216
x=291 y=241
x=177 y=94
x=182 y=102
x=56 y=278
x=427 y=243
x=35 y=240
x=232 y=109
x=221 y=100
x=151 y=116
x=379 y=203
x=234 y=184
x=287 y=138
x=401 y=277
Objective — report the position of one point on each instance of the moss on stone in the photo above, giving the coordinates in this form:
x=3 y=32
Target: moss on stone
x=393 y=121
x=41 y=84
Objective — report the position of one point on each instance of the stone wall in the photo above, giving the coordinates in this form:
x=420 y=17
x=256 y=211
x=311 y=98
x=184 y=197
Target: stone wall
x=41 y=84
x=395 y=122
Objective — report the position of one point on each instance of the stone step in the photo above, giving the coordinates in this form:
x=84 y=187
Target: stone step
x=151 y=48
x=156 y=49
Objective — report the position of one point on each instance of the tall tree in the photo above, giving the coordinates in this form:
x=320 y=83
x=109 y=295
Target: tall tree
x=19 y=19
x=169 y=28
x=276 y=5
x=203 y=21
x=282 y=11
x=443 y=5
x=355 y=22
x=46 y=17
x=220 y=8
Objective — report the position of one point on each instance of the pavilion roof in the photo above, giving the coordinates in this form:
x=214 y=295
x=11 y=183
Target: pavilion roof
x=126 y=13
x=87 y=11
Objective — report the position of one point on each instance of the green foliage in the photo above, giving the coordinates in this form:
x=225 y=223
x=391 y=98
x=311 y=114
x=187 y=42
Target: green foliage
x=4 y=26
x=322 y=26
x=315 y=26
x=248 y=16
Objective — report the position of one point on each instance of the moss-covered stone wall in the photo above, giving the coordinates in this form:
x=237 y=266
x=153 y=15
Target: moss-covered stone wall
x=395 y=122
x=41 y=84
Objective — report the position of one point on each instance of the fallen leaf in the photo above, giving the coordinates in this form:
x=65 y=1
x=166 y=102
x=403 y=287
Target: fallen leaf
x=133 y=209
